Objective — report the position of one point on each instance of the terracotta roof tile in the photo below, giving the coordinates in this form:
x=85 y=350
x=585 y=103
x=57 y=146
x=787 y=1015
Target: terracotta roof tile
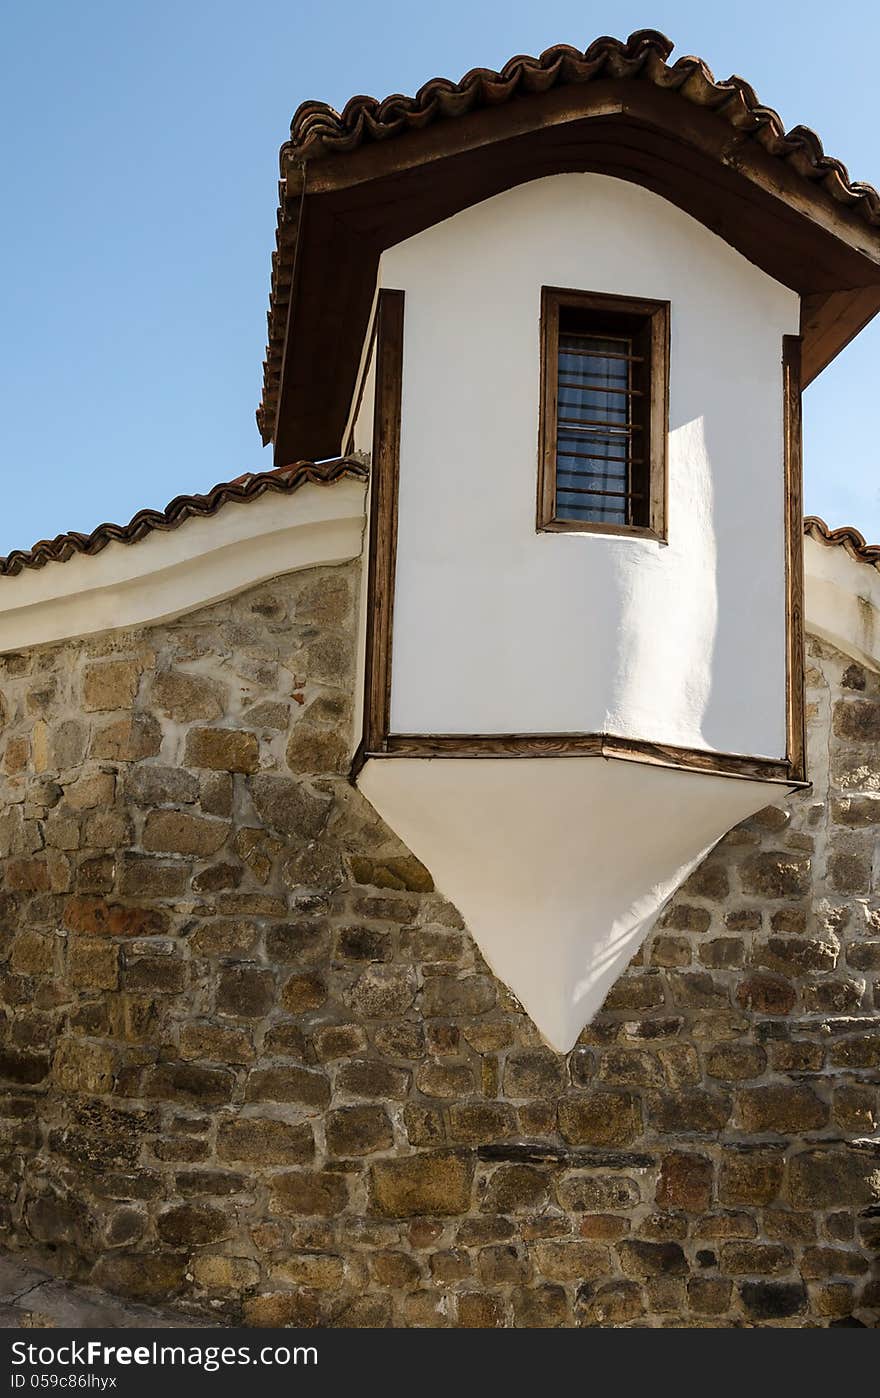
x=318 y=131
x=845 y=537
x=282 y=480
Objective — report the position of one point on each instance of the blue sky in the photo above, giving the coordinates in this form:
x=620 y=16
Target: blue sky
x=140 y=178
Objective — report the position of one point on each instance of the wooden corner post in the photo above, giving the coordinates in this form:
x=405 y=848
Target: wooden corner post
x=384 y=477
x=794 y=557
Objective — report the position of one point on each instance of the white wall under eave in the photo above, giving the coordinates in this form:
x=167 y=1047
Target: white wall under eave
x=501 y=629
x=169 y=573
x=559 y=866
x=842 y=600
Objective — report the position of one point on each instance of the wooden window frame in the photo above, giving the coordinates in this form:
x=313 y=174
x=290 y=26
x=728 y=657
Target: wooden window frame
x=654 y=419
x=378 y=741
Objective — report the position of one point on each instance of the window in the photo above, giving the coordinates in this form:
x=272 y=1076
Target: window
x=604 y=391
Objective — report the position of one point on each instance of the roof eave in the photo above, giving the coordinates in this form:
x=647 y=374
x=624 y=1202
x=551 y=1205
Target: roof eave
x=360 y=202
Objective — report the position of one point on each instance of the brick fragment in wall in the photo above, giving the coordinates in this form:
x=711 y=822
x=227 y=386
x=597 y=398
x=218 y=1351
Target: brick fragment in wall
x=253 y=1064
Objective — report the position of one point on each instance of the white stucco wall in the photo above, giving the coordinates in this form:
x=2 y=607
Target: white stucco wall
x=172 y=572
x=681 y=643
x=842 y=600
x=559 y=866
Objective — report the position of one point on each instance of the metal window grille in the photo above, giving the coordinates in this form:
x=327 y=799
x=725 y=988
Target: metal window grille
x=604 y=413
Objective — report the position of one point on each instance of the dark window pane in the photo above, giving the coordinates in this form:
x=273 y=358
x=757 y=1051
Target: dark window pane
x=594 y=428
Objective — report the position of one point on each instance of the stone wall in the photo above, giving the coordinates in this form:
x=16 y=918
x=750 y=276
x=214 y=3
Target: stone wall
x=253 y=1063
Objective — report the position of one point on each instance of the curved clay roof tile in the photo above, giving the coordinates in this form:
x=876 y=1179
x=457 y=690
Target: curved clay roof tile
x=845 y=537
x=283 y=480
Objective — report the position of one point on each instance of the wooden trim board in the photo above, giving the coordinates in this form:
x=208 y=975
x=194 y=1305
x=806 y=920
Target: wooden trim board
x=383 y=518
x=794 y=557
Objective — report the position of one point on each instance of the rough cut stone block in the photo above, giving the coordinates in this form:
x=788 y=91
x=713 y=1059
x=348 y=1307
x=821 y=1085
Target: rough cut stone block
x=857 y=720
x=25 y=1069
x=733 y=1061
x=446 y=1080
x=232 y=1275
x=27 y=875
x=817 y=1263
x=187 y=1082
x=87 y=792
x=80 y=1066
x=451 y=995
x=755 y=1259
x=290 y=1083
x=304 y=1192
x=532 y=1073
x=382 y=991
x=397 y=871
x=358 y=1131
x=600 y=1118
x=222 y=749
x=193 y=1225
x=480 y=1310
x=368 y=1078
x=781 y=1108
x=111 y=684
x=93 y=965
x=288 y=806
x=776 y=874
x=438 y=1183
x=177 y=832
x=314 y=749
x=142 y=1276
x=750 y=1177
x=97 y=917
x=770 y=995
x=829 y=1177
x=33 y=954
x=265 y=1141
x=145 y=877
x=703 y=1113
x=513 y=1188
x=216 y=1042
x=187 y=697
x=773 y=1300
x=568 y=1260
x=685 y=1182
x=126 y=739
x=640 y=1259
x=610 y=1304
x=248 y=991
x=149 y=785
